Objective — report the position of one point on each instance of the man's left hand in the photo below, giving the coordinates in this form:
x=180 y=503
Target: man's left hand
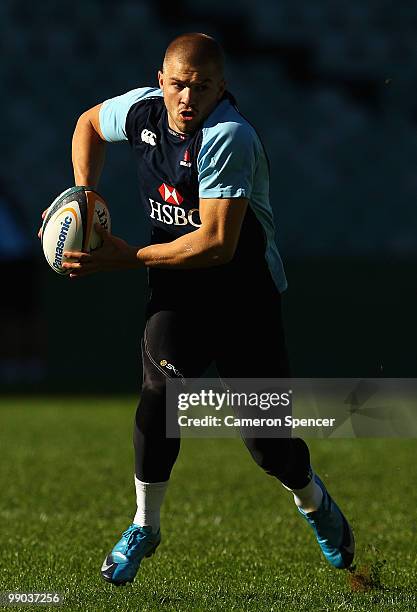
x=114 y=254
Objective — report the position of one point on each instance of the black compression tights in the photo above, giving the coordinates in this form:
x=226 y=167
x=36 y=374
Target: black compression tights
x=170 y=335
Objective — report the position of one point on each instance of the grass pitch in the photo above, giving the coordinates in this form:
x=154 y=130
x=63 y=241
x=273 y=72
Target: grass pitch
x=232 y=538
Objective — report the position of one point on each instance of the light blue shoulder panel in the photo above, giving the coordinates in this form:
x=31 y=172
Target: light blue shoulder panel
x=232 y=164
x=113 y=112
x=228 y=155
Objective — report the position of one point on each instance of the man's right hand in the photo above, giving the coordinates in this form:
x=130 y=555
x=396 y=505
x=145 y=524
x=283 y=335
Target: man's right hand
x=40 y=229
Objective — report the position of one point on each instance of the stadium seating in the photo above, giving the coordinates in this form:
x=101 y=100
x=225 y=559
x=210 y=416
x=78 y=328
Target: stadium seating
x=323 y=83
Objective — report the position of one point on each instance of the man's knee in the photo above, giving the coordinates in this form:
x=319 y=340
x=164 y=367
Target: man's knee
x=287 y=459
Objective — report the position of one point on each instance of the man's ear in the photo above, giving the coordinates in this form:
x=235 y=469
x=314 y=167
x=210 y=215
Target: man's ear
x=222 y=88
x=161 y=79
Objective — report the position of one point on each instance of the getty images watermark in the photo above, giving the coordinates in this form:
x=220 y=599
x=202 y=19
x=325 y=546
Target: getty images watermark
x=248 y=405
x=274 y=408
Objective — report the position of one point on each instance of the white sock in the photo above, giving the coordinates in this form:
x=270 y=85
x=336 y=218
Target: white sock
x=309 y=498
x=149 y=498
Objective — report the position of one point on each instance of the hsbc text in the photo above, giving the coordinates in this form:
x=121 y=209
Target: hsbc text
x=174 y=215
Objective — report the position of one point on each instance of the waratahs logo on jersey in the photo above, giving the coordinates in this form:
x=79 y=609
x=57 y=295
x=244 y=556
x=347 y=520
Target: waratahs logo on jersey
x=170 y=194
x=172 y=213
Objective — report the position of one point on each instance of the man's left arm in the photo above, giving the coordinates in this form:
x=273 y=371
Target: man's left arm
x=212 y=244
x=226 y=166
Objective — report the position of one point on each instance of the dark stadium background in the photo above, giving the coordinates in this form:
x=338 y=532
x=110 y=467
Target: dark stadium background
x=331 y=88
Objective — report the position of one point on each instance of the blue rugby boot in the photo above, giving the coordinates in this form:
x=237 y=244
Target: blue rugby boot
x=333 y=532
x=122 y=564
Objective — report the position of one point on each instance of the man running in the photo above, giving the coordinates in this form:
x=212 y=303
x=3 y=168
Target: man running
x=215 y=274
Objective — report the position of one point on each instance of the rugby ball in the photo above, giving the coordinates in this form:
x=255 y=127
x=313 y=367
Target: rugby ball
x=69 y=225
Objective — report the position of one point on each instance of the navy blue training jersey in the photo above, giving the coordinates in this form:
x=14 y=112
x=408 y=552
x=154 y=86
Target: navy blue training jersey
x=224 y=158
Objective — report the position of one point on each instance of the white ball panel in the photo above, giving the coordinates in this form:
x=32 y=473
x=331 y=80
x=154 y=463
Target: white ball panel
x=63 y=232
x=101 y=216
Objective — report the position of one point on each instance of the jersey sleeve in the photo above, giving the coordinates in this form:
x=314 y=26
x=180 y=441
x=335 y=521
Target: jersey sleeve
x=113 y=112
x=227 y=161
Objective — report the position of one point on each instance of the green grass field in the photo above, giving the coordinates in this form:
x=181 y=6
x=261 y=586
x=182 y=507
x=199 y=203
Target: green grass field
x=232 y=538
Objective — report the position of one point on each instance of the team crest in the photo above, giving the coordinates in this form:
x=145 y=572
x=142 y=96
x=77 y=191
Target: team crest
x=187 y=159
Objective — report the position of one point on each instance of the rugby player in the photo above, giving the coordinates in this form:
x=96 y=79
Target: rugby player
x=215 y=274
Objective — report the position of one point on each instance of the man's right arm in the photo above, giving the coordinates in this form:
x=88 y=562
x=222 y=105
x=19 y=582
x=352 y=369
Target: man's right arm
x=88 y=148
x=103 y=123
x=88 y=151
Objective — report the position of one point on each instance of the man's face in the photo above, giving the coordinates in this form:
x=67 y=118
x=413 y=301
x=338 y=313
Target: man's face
x=190 y=93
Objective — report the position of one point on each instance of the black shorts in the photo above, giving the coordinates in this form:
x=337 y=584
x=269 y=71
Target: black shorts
x=236 y=325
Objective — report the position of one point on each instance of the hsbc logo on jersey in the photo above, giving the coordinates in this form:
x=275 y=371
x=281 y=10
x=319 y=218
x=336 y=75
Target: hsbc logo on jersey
x=171 y=213
x=170 y=194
